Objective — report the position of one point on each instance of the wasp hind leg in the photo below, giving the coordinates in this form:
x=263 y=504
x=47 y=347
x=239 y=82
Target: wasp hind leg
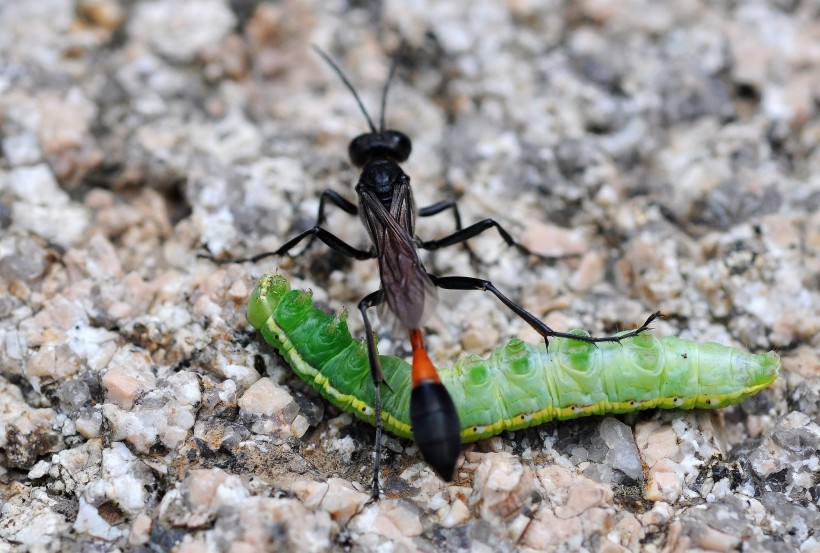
x=372 y=300
x=469 y=283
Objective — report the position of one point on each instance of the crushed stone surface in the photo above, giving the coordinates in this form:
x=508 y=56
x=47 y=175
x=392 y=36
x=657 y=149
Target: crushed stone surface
x=667 y=152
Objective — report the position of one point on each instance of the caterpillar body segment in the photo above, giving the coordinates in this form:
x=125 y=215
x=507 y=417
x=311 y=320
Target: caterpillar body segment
x=517 y=386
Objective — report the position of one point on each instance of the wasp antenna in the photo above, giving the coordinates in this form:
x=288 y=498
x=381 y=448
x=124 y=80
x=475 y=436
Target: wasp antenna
x=393 y=65
x=349 y=86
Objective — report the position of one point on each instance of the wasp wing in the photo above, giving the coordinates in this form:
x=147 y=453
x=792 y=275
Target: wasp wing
x=410 y=296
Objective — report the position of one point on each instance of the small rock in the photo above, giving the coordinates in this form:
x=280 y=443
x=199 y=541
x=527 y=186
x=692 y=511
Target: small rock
x=55 y=324
x=166 y=413
x=39 y=470
x=389 y=519
x=551 y=240
x=37 y=185
x=96 y=258
x=247 y=527
x=89 y=423
x=589 y=272
x=265 y=399
x=267 y=407
x=74 y=394
x=657 y=517
x=182 y=30
x=129 y=375
x=90 y=522
x=140 y=531
x=52 y=363
x=457 y=513
x=582 y=496
x=342 y=500
x=125 y=479
x=655 y=442
x=652 y=268
x=792 y=446
x=21 y=149
x=547 y=532
x=25 y=433
x=501 y=485
x=664 y=482
x=299 y=426
x=799 y=522
x=62 y=224
x=622 y=454
x=201 y=496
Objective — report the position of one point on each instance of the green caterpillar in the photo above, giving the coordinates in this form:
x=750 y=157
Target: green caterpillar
x=519 y=385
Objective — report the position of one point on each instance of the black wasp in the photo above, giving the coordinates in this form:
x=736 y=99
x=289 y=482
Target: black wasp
x=408 y=291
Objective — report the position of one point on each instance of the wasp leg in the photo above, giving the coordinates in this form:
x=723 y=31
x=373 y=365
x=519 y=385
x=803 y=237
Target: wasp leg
x=437 y=208
x=336 y=199
x=469 y=283
x=476 y=229
x=333 y=242
x=372 y=300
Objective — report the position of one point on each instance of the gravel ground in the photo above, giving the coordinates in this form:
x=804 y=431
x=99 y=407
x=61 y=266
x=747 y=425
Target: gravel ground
x=673 y=147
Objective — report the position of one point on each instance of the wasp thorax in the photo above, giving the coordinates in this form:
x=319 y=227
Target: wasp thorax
x=379 y=145
x=381 y=176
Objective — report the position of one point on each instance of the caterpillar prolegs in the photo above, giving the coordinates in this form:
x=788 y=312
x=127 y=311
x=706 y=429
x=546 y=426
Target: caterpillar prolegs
x=519 y=385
